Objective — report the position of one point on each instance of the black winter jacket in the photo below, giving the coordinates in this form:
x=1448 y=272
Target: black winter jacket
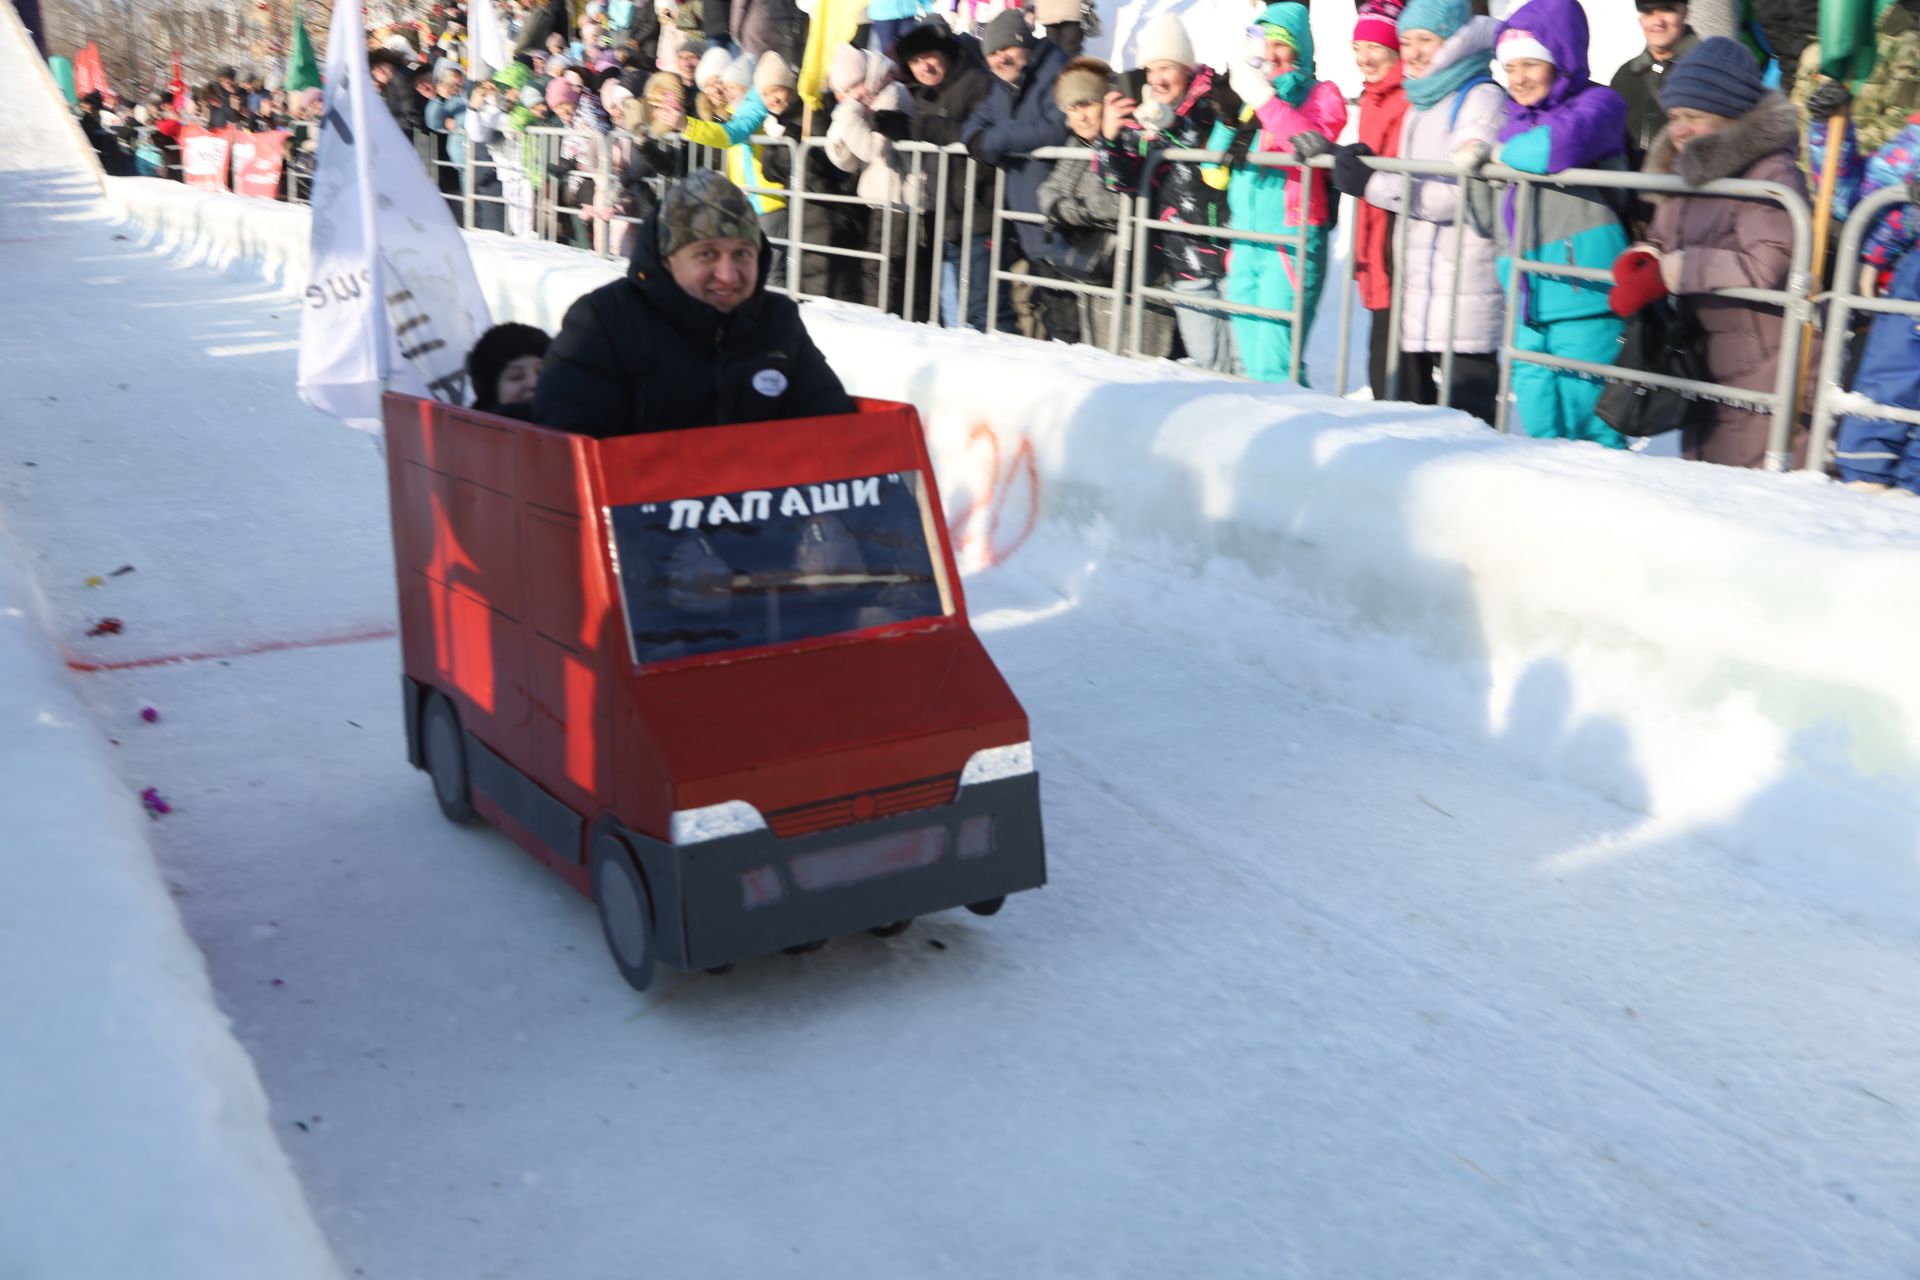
x=1789 y=27
x=1638 y=81
x=640 y=355
x=1012 y=121
x=940 y=112
x=408 y=107
x=1180 y=192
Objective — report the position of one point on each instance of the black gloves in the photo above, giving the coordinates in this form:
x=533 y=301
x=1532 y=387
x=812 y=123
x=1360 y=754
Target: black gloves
x=1310 y=145
x=1829 y=100
x=1350 y=173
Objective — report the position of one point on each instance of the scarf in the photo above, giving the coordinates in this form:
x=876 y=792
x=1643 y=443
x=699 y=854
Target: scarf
x=1293 y=87
x=1435 y=86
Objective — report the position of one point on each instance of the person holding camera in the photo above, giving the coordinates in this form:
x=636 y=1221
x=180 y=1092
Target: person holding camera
x=1178 y=104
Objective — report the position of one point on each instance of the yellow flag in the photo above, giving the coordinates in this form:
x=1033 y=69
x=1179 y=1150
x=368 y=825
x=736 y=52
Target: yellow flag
x=834 y=22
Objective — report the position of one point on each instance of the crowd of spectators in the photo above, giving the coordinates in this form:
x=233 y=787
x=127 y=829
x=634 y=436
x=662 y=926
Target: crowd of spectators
x=600 y=106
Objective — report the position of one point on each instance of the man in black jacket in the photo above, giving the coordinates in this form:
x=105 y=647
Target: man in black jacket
x=691 y=337
x=394 y=77
x=949 y=80
x=1669 y=39
x=1017 y=117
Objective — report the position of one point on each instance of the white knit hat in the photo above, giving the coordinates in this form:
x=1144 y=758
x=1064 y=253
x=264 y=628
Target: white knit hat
x=846 y=67
x=739 y=71
x=1165 y=39
x=712 y=63
x=1516 y=46
x=772 y=72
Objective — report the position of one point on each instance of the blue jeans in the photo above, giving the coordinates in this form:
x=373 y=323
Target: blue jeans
x=1207 y=335
x=887 y=32
x=979 y=266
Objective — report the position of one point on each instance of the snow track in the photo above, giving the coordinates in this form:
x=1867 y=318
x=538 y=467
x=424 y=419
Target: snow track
x=1311 y=993
x=1338 y=974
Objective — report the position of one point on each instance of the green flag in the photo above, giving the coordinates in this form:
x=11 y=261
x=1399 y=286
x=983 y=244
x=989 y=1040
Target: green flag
x=62 y=69
x=1847 y=33
x=303 y=71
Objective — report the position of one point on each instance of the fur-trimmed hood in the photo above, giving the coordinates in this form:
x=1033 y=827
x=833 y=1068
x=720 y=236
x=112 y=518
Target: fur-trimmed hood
x=1771 y=127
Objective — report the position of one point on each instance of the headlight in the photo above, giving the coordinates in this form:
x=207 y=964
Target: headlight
x=996 y=763
x=716 y=821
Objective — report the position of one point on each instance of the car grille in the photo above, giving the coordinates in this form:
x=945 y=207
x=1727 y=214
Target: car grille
x=803 y=820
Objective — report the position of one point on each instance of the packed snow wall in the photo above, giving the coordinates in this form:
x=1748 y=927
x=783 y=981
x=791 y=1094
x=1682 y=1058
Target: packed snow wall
x=136 y=1133
x=1721 y=651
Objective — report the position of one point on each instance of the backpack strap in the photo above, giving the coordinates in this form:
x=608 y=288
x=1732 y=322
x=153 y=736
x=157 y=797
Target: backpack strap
x=1460 y=97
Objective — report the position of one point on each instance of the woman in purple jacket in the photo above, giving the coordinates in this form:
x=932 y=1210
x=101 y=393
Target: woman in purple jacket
x=1560 y=119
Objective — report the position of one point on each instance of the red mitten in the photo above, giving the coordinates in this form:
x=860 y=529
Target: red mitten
x=1636 y=282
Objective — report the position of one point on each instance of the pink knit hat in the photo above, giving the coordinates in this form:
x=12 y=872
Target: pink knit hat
x=1377 y=30
x=560 y=89
x=1377 y=24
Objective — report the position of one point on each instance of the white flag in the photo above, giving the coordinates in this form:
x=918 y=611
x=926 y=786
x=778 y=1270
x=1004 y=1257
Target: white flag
x=392 y=303
x=488 y=46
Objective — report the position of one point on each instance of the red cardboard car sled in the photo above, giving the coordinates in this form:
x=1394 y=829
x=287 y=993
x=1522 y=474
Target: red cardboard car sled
x=721 y=680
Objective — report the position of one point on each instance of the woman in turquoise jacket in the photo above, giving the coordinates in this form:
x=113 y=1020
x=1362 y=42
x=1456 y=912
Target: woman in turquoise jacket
x=1282 y=100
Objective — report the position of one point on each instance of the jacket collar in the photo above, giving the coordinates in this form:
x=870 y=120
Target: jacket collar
x=1642 y=62
x=1384 y=88
x=1772 y=126
x=1199 y=90
x=1045 y=53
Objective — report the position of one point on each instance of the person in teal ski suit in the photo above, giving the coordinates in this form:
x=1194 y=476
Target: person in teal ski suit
x=1559 y=119
x=1281 y=100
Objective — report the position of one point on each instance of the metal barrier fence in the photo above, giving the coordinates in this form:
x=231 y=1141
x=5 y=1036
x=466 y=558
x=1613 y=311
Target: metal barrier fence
x=1414 y=172
x=1831 y=400
x=1298 y=239
x=527 y=175
x=1131 y=289
x=1115 y=293
x=1794 y=300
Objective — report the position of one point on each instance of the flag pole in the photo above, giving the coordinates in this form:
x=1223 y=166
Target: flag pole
x=1822 y=230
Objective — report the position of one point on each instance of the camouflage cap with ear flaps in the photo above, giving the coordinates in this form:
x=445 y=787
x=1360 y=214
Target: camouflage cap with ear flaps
x=704 y=206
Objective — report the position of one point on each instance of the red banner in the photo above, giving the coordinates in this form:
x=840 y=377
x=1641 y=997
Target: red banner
x=256 y=162
x=88 y=74
x=203 y=156
x=177 y=86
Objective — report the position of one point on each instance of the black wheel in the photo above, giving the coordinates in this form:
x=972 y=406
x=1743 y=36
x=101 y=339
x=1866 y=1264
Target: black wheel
x=445 y=748
x=626 y=909
x=802 y=948
x=891 y=930
x=990 y=906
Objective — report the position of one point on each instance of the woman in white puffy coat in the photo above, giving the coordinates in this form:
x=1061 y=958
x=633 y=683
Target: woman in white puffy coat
x=872 y=111
x=1457 y=126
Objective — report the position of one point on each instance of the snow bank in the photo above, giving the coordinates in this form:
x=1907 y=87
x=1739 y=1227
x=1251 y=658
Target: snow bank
x=1720 y=651
x=42 y=135
x=136 y=1132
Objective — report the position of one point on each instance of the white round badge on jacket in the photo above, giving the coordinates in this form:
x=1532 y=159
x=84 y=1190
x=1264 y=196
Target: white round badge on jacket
x=769 y=382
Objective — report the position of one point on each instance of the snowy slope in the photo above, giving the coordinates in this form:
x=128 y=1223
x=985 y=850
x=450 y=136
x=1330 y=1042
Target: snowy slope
x=134 y=1126
x=1385 y=935
x=1699 y=609
x=1313 y=991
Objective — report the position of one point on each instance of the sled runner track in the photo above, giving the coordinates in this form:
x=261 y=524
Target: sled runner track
x=235 y=651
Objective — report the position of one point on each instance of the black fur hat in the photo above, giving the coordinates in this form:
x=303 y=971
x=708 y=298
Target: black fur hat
x=498 y=347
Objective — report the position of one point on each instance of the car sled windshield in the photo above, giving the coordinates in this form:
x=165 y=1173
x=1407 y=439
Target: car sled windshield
x=714 y=573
